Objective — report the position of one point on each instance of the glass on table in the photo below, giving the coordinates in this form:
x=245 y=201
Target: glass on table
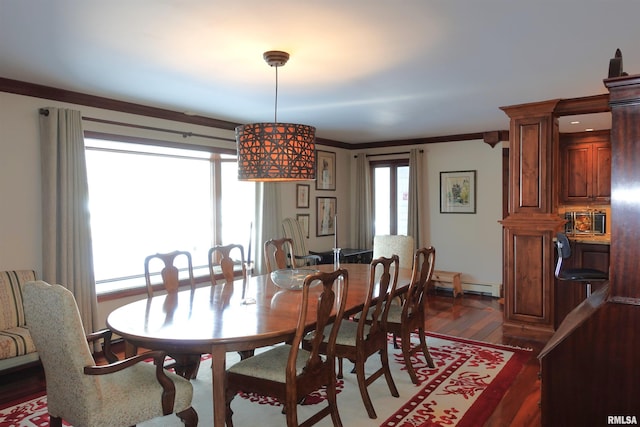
x=246 y=283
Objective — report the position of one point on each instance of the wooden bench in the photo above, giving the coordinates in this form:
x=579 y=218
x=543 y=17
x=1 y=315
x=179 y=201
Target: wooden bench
x=449 y=279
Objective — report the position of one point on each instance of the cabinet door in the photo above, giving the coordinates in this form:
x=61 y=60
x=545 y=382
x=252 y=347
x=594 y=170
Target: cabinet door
x=586 y=172
x=602 y=172
x=577 y=173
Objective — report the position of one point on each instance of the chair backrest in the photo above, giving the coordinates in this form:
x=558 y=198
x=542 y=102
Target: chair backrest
x=388 y=245
x=384 y=277
x=564 y=250
x=169 y=272
x=423 y=266
x=332 y=299
x=220 y=256
x=276 y=253
x=56 y=328
x=293 y=230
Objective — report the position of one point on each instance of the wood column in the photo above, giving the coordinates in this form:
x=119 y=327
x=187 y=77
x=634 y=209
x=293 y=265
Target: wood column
x=531 y=224
x=590 y=367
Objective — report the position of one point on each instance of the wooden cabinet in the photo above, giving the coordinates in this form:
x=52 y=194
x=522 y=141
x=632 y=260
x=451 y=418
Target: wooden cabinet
x=585 y=162
x=570 y=294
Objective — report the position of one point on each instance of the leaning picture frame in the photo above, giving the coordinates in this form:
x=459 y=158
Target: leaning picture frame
x=303 y=220
x=325 y=170
x=326 y=208
x=302 y=195
x=458 y=192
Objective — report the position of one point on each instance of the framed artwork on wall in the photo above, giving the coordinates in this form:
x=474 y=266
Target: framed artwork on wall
x=303 y=220
x=302 y=195
x=325 y=216
x=458 y=192
x=325 y=170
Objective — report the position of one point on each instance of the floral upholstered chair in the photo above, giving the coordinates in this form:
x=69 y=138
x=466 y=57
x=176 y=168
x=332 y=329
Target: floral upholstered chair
x=124 y=393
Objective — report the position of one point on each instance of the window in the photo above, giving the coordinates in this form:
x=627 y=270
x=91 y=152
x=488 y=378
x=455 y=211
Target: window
x=147 y=199
x=390 y=196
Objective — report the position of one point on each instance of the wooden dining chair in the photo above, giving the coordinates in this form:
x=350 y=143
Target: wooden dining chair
x=277 y=253
x=186 y=365
x=289 y=372
x=358 y=340
x=404 y=319
x=220 y=259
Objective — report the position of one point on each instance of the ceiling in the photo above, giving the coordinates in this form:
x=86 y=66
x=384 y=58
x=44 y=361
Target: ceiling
x=360 y=70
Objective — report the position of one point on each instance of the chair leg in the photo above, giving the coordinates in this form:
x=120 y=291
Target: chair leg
x=340 y=367
x=362 y=384
x=333 y=404
x=425 y=349
x=55 y=421
x=291 y=411
x=405 y=341
x=384 y=359
x=189 y=417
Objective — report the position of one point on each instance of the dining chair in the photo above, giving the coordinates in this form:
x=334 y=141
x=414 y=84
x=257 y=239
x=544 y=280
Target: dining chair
x=289 y=372
x=300 y=254
x=277 y=252
x=404 y=319
x=389 y=245
x=220 y=259
x=359 y=339
x=121 y=393
x=186 y=365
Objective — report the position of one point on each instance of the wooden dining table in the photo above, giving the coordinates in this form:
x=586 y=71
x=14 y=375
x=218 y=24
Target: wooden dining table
x=217 y=319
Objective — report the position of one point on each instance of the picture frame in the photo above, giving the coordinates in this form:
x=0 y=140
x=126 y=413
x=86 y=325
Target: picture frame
x=302 y=195
x=458 y=192
x=303 y=220
x=326 y=208
x=325 y=170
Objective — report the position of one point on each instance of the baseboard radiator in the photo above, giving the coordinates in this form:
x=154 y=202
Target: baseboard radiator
x=492 y=289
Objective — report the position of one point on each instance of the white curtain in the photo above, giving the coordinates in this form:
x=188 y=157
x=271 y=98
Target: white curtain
x=364 y=205
x=67 y=256
x=268 y=217
x=417 y=193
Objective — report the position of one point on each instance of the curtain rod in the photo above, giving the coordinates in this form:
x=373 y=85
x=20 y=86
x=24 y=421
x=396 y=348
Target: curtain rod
x=388 y=154
x=45 y=112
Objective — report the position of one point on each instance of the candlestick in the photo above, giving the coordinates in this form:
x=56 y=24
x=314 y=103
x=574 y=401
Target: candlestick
x=335 y=231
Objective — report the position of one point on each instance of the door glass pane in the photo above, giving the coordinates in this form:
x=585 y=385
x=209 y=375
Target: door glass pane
x=382 y=197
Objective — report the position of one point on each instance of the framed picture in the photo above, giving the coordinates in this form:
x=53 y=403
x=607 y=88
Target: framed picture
x=325 y=216
x=303 y=220
x=458 y=192
x=302 y=196
x=325 y=170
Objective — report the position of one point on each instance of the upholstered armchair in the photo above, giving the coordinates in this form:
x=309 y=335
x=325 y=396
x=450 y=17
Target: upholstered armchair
x=123 y=393
x=389 y=245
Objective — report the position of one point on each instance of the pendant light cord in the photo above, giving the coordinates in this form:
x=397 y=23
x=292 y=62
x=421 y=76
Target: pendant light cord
x=275 y=114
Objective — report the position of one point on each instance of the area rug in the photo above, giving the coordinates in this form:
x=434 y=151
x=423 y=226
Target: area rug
x=468 y=382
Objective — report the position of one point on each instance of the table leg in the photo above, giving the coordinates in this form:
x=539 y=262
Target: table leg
x=219 y=379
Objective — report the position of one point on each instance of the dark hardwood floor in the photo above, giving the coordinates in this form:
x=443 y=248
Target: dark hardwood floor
x=471 y=316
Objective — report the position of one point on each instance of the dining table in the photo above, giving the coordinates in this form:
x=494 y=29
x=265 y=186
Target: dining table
x=238 y=316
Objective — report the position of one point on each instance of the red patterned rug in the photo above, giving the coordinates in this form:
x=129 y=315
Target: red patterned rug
x=464 y=389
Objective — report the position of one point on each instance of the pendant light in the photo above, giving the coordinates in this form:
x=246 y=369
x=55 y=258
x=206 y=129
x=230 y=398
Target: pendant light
x=276 y=151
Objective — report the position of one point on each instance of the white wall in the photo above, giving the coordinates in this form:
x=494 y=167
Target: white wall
x=467 y=243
